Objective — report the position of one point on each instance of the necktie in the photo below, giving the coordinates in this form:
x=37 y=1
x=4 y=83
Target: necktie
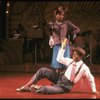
x=73 y=72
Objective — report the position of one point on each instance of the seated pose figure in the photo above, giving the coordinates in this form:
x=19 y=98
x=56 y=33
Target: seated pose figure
x=64 y=82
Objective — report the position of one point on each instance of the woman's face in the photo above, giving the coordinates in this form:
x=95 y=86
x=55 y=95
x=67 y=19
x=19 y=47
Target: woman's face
x=59 y=17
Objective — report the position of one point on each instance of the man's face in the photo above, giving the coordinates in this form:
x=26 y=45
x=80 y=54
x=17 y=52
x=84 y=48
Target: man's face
x=75 y=56
x=59 y=17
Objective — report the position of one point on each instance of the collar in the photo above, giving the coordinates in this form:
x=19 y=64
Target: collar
x=79 y=62
x=58 y=23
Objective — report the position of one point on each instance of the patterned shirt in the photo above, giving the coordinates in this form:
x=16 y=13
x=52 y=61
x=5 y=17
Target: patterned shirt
x=62 y=30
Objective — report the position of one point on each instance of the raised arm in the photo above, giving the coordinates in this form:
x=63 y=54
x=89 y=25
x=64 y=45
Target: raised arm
x=60 y=58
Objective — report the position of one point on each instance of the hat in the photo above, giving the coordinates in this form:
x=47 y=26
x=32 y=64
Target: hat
x=60 y=9
x=59 y=12
x=80 y=50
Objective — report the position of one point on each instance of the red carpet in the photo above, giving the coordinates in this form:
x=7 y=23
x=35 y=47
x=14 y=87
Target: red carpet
x=9 y=81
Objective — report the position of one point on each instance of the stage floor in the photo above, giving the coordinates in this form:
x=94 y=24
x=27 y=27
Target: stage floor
x=9 y=81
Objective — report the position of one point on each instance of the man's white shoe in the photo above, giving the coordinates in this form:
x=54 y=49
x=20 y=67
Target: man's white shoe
x=24 y=89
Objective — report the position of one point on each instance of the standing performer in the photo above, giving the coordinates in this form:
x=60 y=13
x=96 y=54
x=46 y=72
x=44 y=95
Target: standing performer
x=60 y=29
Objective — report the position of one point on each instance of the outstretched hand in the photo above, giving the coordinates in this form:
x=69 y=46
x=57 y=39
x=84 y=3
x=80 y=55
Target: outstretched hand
x=63 y=43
